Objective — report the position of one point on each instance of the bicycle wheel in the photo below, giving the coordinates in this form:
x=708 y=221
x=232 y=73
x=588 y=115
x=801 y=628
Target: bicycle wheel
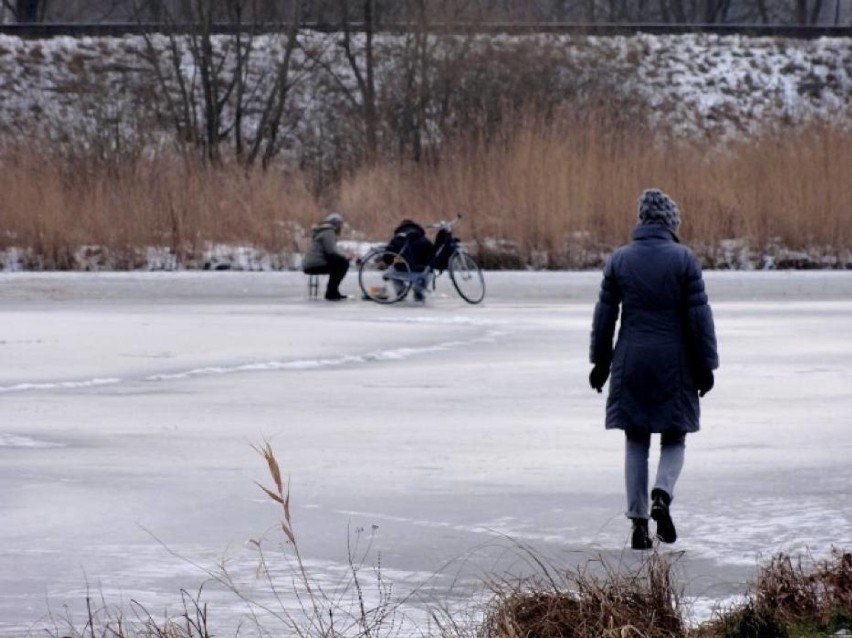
x=384 y=276
x=467 y=277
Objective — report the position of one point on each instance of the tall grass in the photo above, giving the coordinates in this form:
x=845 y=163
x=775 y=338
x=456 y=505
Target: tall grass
x=792 y=597
x=569 y=190
x=562 y=189
x=609 y=602
x=53 y=207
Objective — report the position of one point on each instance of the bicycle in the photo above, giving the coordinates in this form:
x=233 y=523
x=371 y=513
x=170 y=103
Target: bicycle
x=386 y=276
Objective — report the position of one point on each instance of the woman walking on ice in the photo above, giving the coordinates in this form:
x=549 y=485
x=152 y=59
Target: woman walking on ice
x=663 y=359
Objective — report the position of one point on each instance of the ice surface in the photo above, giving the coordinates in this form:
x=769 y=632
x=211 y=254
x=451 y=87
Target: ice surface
x=444 y=437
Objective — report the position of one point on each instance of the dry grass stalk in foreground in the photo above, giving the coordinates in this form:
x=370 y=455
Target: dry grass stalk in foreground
x=793 y=598
x=585 y=605
x=345 y=611
x=103 y=621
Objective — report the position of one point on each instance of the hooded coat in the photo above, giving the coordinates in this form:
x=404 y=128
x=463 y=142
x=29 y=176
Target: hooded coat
x=666 y=333
x=323 y=244
x=410 y=237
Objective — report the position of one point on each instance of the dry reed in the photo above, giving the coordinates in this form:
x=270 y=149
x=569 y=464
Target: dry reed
x=593 y=601
x=570 y=191
x=561 y=189
x=54 y=210
x=792 y=597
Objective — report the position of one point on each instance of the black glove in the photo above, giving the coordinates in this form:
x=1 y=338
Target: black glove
x=704 y=380
x=598 y=376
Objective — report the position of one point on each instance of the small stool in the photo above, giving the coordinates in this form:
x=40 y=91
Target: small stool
x=314 y=285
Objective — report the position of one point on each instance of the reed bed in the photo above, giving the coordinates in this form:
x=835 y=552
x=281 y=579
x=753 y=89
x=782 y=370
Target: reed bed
x=569 y=192
x=794 y=597
x=560 y=191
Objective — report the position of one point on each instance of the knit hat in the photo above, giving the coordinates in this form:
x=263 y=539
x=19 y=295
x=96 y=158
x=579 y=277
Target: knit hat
x=655 y=207
x=335 y=219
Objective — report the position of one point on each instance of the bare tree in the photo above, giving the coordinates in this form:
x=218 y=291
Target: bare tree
x=417 y=64
x=716 y=10
x=151 y=11
x=808 y=12
x=30 y=11
x=23 y=11
x=227 y=97
x=364 y=69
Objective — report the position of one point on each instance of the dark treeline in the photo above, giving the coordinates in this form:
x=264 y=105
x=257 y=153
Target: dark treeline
x=333 y=12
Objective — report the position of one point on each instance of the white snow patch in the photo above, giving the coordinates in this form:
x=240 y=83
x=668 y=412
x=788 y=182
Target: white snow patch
x=60 y=385
x=394 y=354
x=14 y=440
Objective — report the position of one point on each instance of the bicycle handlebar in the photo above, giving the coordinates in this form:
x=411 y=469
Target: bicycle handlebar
x=445 y=224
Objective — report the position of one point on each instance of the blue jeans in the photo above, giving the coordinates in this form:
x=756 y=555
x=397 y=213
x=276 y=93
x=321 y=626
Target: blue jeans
x=638 y=444
x=418 y=285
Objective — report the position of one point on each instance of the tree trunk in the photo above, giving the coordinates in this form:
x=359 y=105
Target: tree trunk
x=370 y=117
x=29 y=10
x=815 y=11
x=801 y=11
x=764 y=13
x=590 y=11
x=365 y=78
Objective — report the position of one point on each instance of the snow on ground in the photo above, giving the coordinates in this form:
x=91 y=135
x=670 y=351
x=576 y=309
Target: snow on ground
x=444 y=438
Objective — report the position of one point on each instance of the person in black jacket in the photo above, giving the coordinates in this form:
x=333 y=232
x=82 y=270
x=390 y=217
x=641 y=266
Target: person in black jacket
x=410 y=240
x=663 y=359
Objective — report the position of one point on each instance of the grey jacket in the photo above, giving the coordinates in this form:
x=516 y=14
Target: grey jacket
x=666 y=332
x=323 y=243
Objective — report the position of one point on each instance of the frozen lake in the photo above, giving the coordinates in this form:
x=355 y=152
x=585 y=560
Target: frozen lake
x=449 y=433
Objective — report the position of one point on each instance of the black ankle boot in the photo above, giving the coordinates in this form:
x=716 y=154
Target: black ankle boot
x=660 y=513
x=639 y=538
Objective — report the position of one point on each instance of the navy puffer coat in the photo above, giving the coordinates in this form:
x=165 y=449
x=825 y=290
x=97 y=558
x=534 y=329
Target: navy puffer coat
x=666 y=333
